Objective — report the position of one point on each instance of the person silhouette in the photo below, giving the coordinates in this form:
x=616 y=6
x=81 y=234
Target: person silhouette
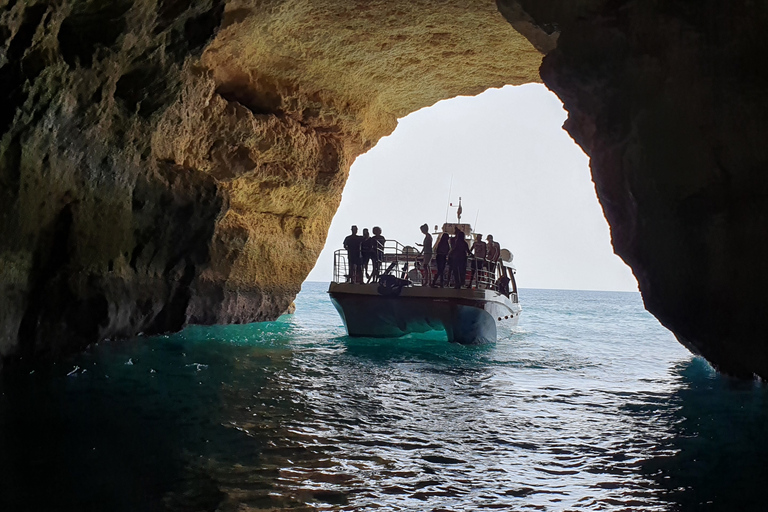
x=368 y=252
x=479 y=251
x=493 y=253
x=426 y=253
x=378 y=245
x=441 y=252
x=353 y=244
x=458 y=258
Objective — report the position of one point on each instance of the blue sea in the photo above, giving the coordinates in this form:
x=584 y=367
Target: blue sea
x=589 y=404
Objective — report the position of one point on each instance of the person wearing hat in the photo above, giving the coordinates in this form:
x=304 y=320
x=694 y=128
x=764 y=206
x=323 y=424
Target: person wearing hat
x=426 y=253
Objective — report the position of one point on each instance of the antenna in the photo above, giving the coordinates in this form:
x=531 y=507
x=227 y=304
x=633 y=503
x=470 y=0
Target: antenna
x=450 y=189
x=476 y=216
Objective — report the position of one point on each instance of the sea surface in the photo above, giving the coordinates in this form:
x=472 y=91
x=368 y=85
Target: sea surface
x=589 y=404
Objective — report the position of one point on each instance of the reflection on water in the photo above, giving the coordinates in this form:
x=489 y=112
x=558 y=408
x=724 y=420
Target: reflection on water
x=589 y=406
x=718 y=435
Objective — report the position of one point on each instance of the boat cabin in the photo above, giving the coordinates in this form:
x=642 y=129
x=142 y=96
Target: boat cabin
x=451 y=227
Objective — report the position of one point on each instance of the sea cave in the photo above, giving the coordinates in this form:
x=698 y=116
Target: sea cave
x=160 y=158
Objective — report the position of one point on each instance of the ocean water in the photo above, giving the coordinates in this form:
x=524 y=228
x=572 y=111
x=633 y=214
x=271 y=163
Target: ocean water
x=588 y=405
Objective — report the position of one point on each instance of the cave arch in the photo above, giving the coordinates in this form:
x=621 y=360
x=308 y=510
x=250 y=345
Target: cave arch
x=522 y=179
x=212 y=189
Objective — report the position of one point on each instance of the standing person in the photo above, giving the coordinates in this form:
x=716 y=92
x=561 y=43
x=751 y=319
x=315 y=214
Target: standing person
x=449 y=259
x=493 y=253
x=458 y=257
x=368 y=252
x=441 y=250
x=479 y=251
x=426 y=253
x=378 y=246
x=352 y=244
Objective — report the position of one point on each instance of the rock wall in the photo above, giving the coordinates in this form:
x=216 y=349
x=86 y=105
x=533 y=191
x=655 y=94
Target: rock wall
x=669 y=100
x=165 y=162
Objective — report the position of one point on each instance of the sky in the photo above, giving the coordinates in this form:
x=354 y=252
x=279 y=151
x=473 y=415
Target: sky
x=519 y=174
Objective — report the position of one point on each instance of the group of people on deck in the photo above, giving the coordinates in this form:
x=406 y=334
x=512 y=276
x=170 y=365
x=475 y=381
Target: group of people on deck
x=451 y=251
x=455 y=251
x=362 y=250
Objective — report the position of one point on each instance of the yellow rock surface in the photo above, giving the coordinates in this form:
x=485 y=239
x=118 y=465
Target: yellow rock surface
x=289 y=93
x=167 y=162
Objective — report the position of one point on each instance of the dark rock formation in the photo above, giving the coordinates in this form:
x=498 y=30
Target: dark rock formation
x=99 y=238
x=669 y=101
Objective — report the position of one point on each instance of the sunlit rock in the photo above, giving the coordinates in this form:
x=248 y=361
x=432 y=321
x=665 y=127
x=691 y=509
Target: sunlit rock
x=167 y=162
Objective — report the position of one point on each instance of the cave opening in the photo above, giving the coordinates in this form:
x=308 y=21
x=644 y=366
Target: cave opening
x=521 y=178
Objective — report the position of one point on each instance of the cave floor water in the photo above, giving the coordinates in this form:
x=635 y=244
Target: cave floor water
x=589 y=405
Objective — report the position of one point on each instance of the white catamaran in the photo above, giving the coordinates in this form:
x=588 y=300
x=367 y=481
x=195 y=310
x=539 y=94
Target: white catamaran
x=403 y=298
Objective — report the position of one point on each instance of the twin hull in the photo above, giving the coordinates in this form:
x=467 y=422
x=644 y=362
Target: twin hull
x=468 y=316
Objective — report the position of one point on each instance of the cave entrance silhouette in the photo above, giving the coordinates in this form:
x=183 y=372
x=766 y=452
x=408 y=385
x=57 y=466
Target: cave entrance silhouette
x=521 y=176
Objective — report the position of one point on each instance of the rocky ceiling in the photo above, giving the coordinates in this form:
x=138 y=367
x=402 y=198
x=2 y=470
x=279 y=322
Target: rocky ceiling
x=165 y=162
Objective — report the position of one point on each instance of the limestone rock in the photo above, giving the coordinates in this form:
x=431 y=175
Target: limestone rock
x=669 y=101
x=165 y=162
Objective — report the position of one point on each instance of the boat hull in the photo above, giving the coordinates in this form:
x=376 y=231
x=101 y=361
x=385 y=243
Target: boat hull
x=467 y=316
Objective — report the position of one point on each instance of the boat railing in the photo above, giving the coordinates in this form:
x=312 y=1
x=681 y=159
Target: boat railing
x=392 y=258
x=480 y=274
x=341 y=268
x=407 y=262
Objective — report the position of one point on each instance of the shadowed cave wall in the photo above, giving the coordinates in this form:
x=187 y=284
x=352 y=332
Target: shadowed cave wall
x=166 y=162
x=669 y=101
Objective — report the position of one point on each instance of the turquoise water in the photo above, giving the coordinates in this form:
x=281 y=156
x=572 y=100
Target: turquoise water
x=589 y=405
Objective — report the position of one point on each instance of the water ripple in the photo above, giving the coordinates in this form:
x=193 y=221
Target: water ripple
x=590 y=405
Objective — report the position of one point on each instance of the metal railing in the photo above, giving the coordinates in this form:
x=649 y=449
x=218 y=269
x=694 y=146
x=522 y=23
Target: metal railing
x=341 y=269
x=406 y=262
x=391 y=258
